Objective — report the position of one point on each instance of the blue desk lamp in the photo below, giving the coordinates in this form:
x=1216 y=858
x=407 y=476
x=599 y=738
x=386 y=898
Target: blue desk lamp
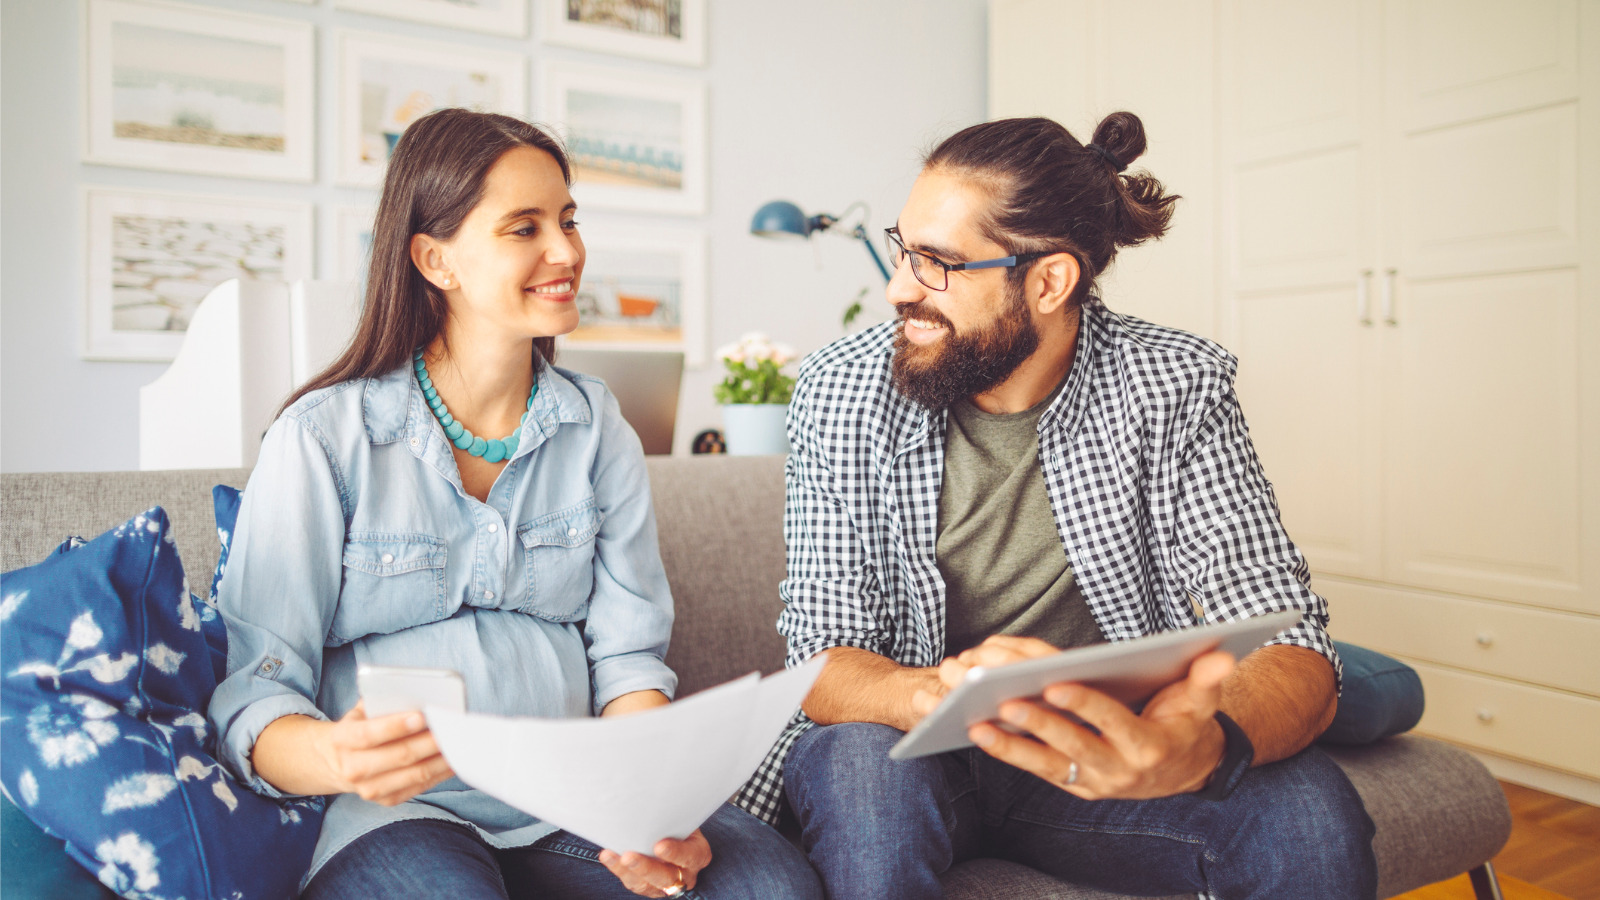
x=780 y=218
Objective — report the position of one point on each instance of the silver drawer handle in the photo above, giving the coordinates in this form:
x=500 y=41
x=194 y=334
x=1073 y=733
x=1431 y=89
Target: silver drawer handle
x=1364 y=298
x=1485 y=716
x=1485 y=639
x=1388 y=297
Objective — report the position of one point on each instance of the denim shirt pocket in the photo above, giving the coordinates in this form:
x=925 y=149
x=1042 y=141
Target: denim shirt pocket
x=391 y=582
x=559 y=551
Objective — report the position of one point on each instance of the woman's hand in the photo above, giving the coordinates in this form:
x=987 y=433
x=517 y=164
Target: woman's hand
x=677 y=864
x=387 y=760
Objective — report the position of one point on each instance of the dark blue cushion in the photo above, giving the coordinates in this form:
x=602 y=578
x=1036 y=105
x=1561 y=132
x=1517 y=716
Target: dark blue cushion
x=225 y=507
x=108 y=665
x=1382 y=696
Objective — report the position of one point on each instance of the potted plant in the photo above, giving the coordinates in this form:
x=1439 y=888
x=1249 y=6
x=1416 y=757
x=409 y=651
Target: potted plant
x=755 y=395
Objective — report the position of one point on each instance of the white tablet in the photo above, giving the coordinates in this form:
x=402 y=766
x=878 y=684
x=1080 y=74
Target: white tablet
x=1130 y=671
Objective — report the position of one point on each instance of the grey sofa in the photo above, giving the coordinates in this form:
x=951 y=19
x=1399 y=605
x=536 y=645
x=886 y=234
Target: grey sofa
x=1438 y=811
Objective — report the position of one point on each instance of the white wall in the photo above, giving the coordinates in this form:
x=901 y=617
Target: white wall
x=822 y=103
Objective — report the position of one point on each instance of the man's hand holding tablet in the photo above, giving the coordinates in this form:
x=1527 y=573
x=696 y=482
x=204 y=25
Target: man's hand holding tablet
x=1070 y=717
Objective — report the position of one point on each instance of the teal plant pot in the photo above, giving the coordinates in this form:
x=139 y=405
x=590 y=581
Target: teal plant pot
x=755 y=429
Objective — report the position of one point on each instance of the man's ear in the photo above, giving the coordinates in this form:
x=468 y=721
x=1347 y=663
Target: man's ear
x=1052 y=280
x=430 y=259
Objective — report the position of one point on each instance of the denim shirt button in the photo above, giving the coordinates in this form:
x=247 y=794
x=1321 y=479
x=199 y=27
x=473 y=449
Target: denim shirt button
x=488 y=595
x=388 y=558
x=493 y=528
x=572 y=532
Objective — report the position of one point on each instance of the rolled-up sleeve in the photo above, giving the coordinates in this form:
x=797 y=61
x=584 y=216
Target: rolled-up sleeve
x=630 y=610
x=278 y=593
x=831 y=595
x=1232 y=553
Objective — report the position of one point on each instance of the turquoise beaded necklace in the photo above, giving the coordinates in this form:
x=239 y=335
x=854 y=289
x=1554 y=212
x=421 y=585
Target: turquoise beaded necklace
x=490 y=451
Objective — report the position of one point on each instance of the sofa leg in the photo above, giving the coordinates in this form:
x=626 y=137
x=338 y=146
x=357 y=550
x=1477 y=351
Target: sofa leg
x=1485 y=886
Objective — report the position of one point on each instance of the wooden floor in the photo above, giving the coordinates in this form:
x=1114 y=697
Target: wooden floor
x=1554 y=852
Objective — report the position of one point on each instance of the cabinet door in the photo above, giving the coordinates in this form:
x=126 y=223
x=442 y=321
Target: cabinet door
x=1299 y=206
x=1483 y=413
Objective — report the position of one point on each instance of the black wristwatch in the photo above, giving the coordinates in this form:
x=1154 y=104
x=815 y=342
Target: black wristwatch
x=1237 y=754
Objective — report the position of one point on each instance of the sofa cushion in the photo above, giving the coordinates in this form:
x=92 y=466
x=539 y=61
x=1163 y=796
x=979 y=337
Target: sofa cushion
x=109 y=663
x=1382 y=697
x=225 y=510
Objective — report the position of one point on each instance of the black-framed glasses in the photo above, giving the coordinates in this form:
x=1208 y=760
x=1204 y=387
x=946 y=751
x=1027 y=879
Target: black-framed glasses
x=929 y=270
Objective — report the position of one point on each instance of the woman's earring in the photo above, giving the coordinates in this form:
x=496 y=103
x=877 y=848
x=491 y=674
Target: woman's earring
x=447 y=281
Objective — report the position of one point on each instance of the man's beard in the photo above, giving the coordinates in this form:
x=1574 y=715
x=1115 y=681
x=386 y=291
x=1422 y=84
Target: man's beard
x=962 y=365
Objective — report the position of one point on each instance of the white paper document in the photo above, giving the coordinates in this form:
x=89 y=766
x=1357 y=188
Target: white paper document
x=626 y=782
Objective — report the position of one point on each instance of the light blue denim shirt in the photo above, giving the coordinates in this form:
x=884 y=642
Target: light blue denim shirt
x=356 y=543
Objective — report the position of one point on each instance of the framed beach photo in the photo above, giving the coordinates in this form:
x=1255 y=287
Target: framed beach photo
x=637 y=142
x=666 y=30
x=506 y=18
x=643 y=289
x=152 y=257
x=198 y=90
x=386 y=83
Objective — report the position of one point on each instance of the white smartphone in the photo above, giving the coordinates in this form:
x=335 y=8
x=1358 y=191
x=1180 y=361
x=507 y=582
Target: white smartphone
x=393 y=689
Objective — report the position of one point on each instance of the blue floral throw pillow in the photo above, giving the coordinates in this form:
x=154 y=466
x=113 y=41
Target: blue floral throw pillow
x=108 y=663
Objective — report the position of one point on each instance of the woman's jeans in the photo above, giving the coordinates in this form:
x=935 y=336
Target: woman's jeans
x=428 y=859
x=880 y=829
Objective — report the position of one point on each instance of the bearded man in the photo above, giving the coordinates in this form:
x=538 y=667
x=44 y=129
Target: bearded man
x=1011 y=468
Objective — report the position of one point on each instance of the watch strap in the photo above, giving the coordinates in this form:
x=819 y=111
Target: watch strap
x=1237 y=754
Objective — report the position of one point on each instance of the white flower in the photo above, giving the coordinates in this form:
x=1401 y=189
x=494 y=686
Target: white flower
x=136 y=791
x=40 y=670
x=107 y=670
x=84 y=633
x=190 y=768
x=164 y=658
x=130 y=851
x=187 y=616
x=193 y=720
x=28 y=787
x=63 y=739
x=10 y=603
x=783 y=354
x=220 y=789
x=731 y=353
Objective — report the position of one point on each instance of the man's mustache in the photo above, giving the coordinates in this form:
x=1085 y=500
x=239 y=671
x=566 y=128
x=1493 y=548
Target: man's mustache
x=924 y=313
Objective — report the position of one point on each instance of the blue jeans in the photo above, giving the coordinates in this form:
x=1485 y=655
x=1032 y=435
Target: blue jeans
x=428 y=859
x=884 y=829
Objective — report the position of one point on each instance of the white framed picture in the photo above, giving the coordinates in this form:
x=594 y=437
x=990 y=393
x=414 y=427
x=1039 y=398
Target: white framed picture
x=198 y=90
x=507 y=18
x=386 y=83
x=667 y=30
x=152 y=257
x=636 y=142
x=348 y=244
x=643 y=289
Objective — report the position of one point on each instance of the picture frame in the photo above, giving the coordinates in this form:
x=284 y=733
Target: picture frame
x=348 y=245
x=636 y=143
x=198 y=90
x=643 y=289
x=387 y=82
x=506 y=18
x=672 y=31
x=152 y=257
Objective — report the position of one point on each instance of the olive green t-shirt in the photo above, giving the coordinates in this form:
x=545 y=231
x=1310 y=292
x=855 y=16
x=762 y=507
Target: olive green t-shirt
x=1004 y=569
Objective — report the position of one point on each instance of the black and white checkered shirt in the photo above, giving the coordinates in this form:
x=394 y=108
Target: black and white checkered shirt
x=1157 y=493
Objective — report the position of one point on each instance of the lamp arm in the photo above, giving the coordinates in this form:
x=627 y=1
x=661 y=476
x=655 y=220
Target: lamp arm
x=860 y=234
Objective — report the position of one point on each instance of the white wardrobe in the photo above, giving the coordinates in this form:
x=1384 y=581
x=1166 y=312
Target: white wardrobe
x=1393 y=219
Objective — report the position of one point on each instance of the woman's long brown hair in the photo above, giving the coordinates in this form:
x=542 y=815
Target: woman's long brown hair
x=435 y=178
